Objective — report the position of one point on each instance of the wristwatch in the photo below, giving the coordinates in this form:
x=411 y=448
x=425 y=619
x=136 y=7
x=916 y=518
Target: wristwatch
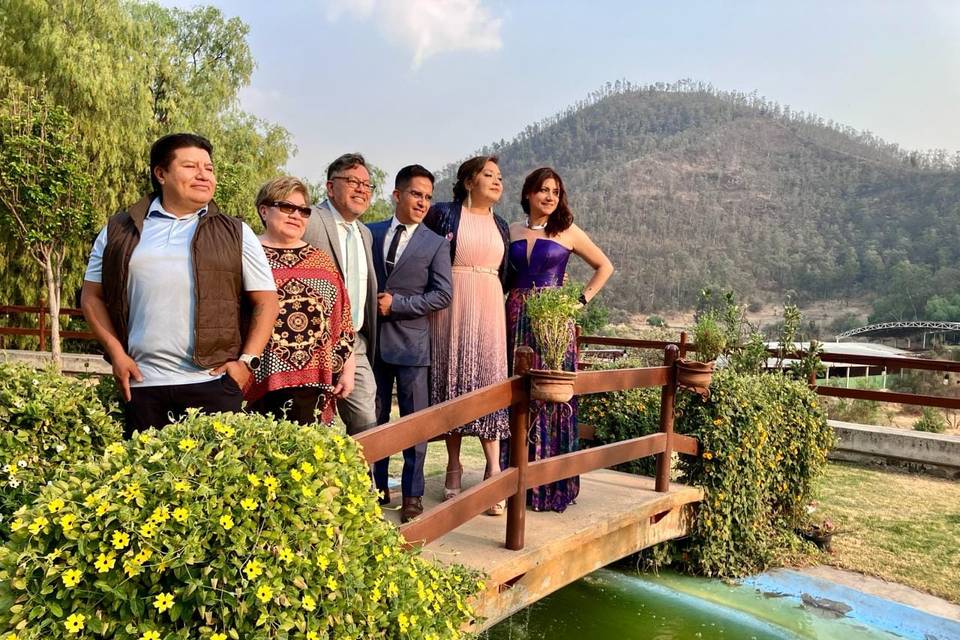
x=252 y=361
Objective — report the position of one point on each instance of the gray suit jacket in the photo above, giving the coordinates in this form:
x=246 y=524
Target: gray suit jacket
x=322 y=233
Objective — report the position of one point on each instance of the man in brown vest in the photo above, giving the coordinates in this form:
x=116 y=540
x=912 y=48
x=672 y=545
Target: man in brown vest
x=165 y=287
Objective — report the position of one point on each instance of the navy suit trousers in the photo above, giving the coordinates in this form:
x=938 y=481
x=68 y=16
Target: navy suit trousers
x=412 y=395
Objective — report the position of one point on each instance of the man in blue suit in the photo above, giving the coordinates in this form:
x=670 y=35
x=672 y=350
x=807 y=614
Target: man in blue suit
x=413 y=279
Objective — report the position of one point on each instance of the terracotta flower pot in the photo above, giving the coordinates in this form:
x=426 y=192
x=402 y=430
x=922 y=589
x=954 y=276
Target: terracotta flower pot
x=695 y=376
x=550 y=385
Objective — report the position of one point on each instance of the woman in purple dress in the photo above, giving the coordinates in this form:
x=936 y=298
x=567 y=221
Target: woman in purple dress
x=539 y=250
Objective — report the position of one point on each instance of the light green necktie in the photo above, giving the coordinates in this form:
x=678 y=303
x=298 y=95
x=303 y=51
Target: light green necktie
x=353 y=274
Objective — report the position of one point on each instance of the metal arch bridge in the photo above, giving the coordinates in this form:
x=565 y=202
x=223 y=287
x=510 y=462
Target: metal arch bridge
x=912 y=324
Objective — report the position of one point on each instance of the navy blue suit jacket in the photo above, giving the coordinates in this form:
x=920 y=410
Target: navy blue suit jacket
x=420 y=282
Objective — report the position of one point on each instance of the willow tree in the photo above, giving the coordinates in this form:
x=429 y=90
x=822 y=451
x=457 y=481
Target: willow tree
x=44 y=189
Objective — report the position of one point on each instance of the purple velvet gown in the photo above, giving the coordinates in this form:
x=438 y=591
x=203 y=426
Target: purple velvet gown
x=553 y=427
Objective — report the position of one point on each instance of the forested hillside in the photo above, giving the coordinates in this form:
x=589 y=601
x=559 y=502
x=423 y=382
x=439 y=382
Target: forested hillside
x=686 y=187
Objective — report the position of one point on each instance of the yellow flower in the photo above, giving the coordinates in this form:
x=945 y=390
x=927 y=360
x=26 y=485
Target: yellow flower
x=226 y=522
x=71 y=577
x=17 y=524
x=148 y=529
x=707 y=455
x=163 y=602
x=187 y=444
x=120 y=540
x=225 y=429
x=323 y=562
x=150 y=635
x=105 y=562
x=718 y=421
x=131 y=492
x=144 y=555
x=296 y=475
x=218 y=636
x=103 y=507
x=249 y=504
x=253 y=480
x=38 y=524
x=114 y=449
x=74 y=623
x=55 y=505
x=161 y=514
x=253 y=569
x=312 y=635
x=392 y=591
x=67 y=521
x=308 y=603
x=264 y=593
x=307 y=468
x=131 y=568
x=332 y=583
x=286 y=555
x=180 y=514
x=181 y=485
x=271 y=483
x=404 y=622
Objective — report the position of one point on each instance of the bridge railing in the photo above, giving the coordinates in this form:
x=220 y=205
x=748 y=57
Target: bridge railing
x=513 y=482
x=889 y=363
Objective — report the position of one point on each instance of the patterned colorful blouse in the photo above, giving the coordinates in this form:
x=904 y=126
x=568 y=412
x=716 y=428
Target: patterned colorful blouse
x=313 y=335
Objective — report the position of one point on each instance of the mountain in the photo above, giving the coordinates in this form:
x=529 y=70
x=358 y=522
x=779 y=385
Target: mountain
x=687 y=187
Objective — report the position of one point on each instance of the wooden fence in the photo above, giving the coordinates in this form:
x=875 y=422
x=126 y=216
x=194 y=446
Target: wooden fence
x=42 y=331
x=880 y=362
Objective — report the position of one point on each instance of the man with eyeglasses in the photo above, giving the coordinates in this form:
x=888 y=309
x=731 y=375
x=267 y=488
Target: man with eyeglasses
x=414 y=279
x=335 y=228
x=163 y=292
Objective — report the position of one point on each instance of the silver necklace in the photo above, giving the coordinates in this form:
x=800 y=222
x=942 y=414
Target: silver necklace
x=535 y=227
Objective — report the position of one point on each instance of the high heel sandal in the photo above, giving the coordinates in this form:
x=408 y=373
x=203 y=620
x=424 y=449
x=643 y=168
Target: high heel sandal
x=452 y=492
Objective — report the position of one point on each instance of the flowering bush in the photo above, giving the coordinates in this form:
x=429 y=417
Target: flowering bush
x=224 y=526
x=46 y=422
x=764 y=440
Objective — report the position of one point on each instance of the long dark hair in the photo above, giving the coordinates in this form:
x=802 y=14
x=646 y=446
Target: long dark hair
x=561 y=219
x=467 y=171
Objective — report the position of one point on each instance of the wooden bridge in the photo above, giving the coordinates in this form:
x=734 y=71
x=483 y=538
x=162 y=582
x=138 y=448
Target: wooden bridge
x=528 y=555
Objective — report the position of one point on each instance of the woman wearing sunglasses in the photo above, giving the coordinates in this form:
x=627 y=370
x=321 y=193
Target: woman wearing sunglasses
x=309 y=360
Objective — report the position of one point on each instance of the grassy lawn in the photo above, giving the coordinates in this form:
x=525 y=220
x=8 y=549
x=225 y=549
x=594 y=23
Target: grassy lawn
x=899 y=527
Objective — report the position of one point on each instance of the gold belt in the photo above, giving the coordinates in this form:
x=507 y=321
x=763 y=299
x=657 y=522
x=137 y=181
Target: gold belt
x=464 y=269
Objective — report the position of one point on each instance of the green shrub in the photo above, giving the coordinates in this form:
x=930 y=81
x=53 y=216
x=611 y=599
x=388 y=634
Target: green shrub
x=764 y=440
x=46 y=421
x=551 y=311
x=855 y=410
x=931 y=421
x=709 y=337
x=656 y=321
x=222 y=526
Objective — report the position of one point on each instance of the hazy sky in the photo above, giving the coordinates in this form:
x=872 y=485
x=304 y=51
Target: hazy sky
x=430 y=81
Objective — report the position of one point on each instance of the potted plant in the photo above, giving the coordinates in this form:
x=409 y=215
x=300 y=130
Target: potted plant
x=551 y=312
x=710 y=340
x=820 y=534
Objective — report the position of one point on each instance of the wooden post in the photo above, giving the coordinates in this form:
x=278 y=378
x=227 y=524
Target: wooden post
x=683 y=345
x=668 y=395
x=43 y=326
x=519 y=423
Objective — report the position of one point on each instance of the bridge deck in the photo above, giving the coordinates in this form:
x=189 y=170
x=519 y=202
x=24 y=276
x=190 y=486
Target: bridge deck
x=616 y=514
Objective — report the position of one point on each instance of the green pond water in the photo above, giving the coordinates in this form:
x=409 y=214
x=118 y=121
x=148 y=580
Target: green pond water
x=621 y=605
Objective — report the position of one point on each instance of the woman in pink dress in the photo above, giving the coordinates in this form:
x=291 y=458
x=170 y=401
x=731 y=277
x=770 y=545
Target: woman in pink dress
x=469 y=338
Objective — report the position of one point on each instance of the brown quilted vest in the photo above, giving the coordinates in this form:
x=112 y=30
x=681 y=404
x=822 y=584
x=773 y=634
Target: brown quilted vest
x=217 y=252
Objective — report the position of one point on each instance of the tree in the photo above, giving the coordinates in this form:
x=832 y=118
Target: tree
x=44 y=188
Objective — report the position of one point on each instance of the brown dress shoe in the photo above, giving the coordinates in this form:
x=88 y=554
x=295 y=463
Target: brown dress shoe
x=412 y=507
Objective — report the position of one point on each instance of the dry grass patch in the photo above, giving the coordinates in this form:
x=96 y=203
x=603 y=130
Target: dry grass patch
x=899 y=527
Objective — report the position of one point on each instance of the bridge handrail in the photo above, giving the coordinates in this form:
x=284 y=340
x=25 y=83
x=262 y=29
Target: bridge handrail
x=884 y=362
x=513 y=482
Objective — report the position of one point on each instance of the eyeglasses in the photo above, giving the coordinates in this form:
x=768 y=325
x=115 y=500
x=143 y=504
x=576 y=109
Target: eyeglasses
x=289 y=208
x=419 y=195
x=355 y=183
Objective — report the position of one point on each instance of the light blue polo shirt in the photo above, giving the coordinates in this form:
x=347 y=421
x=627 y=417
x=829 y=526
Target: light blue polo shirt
x=160 y=288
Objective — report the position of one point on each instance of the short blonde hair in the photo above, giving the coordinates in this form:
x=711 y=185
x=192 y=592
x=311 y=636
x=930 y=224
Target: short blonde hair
x=280 y=188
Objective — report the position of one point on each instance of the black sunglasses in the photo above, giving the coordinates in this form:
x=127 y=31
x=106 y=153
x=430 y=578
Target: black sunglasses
x=289 y=208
